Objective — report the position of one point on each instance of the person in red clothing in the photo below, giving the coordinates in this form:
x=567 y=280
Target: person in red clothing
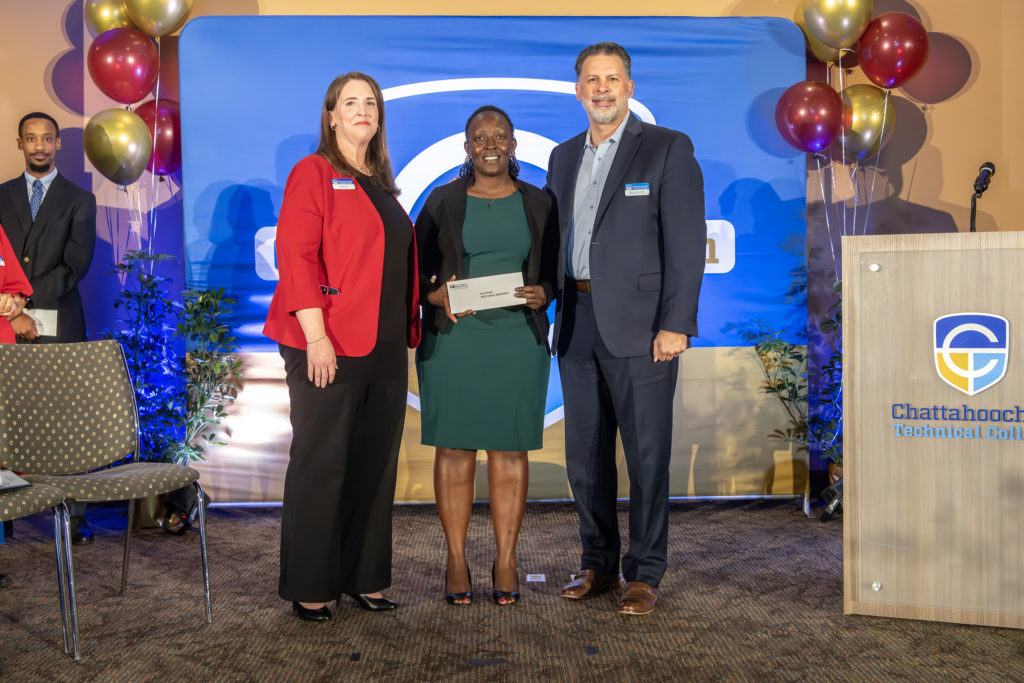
x=344 y=311
x=14 y=289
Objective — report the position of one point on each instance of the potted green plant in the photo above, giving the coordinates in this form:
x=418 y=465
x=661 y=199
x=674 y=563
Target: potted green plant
x=212 y=369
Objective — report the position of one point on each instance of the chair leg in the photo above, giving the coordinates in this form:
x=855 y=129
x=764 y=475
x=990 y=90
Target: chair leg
x=127 y=545
x=202 y=550
x=65 y=528
x=58 y=544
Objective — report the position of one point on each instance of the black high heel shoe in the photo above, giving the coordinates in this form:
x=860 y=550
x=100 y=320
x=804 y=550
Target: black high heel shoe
x=453 y=598
x=498 y=596
x=320 y=614
x=373 y=604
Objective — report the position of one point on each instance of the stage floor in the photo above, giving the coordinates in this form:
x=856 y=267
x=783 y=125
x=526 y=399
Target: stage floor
x=754 y=592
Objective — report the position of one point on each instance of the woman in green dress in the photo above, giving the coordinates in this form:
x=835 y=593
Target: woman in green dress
x=483 y=375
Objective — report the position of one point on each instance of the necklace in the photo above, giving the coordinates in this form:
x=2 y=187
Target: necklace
x=490 y=200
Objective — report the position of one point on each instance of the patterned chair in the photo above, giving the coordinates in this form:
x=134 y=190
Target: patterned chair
x=67 y=411
x=28 y=500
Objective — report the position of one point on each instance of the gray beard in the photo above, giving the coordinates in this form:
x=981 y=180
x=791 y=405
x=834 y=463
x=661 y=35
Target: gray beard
x=604 y=116
x=36 y=168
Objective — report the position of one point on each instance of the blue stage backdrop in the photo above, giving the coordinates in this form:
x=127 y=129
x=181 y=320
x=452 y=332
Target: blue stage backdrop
x=252 y=88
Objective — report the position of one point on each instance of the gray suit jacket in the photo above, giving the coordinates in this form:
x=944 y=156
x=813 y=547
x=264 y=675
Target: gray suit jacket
x=54 y=250
x=647 y=250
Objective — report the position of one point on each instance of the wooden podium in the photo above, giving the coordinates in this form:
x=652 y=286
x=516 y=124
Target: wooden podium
x=933 y=504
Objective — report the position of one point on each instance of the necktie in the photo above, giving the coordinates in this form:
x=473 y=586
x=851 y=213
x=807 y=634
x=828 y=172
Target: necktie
x=37 y=197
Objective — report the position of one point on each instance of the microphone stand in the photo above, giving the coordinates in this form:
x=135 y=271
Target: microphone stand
x=974 y=209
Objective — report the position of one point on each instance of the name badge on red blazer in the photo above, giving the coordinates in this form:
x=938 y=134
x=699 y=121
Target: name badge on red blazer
x=343 y=183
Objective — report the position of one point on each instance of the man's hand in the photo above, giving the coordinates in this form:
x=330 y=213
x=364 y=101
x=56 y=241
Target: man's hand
x=24 y=327
x=668 y=345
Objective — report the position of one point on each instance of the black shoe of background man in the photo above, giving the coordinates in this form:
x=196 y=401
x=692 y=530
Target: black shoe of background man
x=81 y=534
x=5 y=581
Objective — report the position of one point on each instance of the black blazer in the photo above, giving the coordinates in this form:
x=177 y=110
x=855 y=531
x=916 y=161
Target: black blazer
x=439 y=240
x=648 y=247
x=54 y=250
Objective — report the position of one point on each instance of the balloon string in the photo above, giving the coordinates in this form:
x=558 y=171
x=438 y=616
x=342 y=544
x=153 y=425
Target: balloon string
x=856 y=195
x=828 y=224
x=134 y=210
x=831 y=164
x=913 y=174
x=835 y=189
x=151 y=217
x=842 y=137
x=878 y=159
x=112 y=221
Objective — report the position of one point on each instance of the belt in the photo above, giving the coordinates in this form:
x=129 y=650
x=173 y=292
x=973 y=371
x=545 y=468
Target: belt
x=582 y=285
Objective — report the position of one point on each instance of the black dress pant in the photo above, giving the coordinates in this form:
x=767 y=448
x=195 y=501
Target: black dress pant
x=603 y=394
x=340 y=484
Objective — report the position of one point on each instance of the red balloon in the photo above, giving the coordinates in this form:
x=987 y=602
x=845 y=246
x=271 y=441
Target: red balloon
x=124 y=64
x=809 y=115
x=892 y=49
x=164 y=121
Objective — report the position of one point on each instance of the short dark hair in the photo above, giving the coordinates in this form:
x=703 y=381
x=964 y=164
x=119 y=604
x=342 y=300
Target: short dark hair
x=603 y=49
x=467 y=170
x=38 y=115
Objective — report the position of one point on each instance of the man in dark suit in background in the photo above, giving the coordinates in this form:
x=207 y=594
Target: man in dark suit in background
x=631 y=260
x=51 y=223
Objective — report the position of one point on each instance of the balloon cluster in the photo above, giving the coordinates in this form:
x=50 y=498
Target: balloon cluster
x=124 y=62
x=891 y=48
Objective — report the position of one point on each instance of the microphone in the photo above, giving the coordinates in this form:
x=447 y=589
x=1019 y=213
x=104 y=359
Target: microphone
x=985 y=173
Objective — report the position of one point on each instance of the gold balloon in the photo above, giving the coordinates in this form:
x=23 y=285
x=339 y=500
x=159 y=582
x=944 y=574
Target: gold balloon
x=158 y=17
x=868 y=122
x=118 y=144
x=103 y=15
x=836 y=23
x=819 y=49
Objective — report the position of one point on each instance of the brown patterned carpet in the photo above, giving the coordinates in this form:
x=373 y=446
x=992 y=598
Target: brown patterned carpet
x=754 y=592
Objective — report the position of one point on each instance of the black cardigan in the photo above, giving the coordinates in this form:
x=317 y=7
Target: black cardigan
x=439 y=242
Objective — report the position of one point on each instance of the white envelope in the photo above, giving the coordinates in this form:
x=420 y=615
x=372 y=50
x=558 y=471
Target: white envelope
x=46 y=320
x=481 y=293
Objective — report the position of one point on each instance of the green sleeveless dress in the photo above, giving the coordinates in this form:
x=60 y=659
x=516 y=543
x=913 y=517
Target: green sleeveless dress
x=483 y=382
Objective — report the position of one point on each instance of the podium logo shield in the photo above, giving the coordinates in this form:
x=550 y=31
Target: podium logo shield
x=971 y=350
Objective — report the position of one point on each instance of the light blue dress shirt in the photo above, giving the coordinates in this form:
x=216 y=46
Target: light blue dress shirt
x=47 y=180
x=590 y=179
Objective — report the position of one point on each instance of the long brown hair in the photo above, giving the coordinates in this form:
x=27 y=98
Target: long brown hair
x=377 y=160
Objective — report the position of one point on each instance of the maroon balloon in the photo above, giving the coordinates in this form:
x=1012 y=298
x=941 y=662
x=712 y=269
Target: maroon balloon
x=124 y=64
x=164 y=121
x=809 y=115
x=892 y=49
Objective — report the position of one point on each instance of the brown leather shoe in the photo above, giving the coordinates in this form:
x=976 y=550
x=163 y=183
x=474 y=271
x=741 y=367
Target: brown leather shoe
x=589 y=583
x=638 y=599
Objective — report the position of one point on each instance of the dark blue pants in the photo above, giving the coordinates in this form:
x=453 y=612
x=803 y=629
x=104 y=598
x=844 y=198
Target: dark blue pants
x=604 y=394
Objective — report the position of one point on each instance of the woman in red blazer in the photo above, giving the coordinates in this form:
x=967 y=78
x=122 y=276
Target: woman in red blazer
x=14 y=288
x=344 y=311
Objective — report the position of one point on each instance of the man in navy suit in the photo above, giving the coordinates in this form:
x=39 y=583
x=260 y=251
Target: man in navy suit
x=630 y=201
x=51 y=224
